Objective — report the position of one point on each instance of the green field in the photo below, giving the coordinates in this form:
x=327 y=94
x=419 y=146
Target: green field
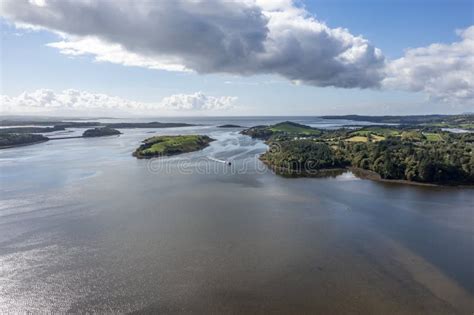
x=171 y=145
x=377 y=138
x=357 y=139
x=372 y=134
x=379 y=131
x=431 y=136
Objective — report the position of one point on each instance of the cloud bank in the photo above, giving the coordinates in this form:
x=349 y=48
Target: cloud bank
x=245 y=37
x=237 y=37
x=74 y=101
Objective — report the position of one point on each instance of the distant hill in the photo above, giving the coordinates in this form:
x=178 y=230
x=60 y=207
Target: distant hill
x=406 y=119
x=286 y=128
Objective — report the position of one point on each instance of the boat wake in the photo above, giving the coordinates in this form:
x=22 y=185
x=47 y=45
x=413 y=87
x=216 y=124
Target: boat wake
x=218 y=161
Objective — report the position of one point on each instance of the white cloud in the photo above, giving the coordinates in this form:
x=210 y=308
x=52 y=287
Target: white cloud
x=197 y=101
x=444 y=72
x=245 y=37
x=80 y=102
x=239 y=37
x=114 y=53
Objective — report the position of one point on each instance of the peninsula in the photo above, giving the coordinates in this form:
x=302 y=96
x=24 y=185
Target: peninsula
x=413 y=153
x=8 y=140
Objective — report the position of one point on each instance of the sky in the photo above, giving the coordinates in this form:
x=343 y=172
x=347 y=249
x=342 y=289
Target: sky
x=248 y=57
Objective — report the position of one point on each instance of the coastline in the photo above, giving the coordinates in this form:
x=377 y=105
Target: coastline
x=371 y=175
x=283 y=171
x=358 y=172
x=147 y=157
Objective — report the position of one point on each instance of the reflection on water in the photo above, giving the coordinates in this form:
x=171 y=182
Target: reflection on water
x=84 y=226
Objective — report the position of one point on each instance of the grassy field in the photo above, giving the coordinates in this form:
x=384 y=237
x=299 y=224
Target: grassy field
x=379 y=131
x=365 y=138
x=434 y=137
x=171 y=145
x=377 y=138
x=357 y=139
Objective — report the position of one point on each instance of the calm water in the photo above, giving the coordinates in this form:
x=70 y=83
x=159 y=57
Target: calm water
x=84 y=226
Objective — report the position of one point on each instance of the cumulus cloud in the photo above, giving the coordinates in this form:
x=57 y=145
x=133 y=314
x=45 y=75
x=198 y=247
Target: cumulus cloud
x=444 y=72
x=197 y=101
x=239 y=37
x=74 y=101
x=114 y=53
x=245 y=37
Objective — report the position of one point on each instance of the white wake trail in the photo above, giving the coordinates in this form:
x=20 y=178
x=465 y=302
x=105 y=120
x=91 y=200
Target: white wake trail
x=216 y=160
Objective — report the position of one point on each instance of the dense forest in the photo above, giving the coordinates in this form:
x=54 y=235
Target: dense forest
x=433 y=162
x=15 y=139
x=100 y=132
x=406 y=153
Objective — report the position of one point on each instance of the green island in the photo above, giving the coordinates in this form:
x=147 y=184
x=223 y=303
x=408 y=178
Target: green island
x=410 y=153
x=171 y=145
x=8 y=140
x=100 y=132
x=229 y=126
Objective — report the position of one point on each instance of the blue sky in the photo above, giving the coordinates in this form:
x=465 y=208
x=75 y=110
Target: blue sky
x=391 y=26
x=394 y=25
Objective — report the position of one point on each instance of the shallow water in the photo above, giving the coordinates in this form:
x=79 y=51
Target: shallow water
x=84 y=226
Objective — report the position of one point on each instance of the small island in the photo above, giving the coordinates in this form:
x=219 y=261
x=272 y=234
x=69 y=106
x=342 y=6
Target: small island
x=171 y=145
x=407 y=153
x=100 y=132
x=9 y=140
x=229 y=126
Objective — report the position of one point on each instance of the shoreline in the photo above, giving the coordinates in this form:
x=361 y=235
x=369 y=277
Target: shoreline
x=148 y=157
x=282 y=171
x=371 y=175
x=358 y=172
